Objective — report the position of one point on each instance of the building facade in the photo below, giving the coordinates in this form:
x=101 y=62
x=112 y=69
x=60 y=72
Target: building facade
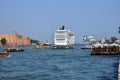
x=15 y=39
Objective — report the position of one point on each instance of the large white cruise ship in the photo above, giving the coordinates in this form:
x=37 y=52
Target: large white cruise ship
x=63 y=37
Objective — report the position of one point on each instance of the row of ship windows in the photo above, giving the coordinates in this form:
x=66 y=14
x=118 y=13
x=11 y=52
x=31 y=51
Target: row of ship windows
x=60 y=39
x=61 y=36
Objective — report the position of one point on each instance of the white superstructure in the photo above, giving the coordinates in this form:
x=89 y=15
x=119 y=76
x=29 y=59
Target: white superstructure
x=88 y=39
x=63 y=37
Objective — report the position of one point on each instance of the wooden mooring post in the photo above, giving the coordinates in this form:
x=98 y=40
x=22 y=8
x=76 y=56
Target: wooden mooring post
x=119 y=71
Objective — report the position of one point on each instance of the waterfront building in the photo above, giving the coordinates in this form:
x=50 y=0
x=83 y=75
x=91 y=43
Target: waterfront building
x=63 y=37
x=15 y=39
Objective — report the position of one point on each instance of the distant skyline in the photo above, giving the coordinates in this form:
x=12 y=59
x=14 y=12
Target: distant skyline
x=39 y=19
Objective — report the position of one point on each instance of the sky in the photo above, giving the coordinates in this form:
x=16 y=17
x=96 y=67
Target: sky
x=39 y=19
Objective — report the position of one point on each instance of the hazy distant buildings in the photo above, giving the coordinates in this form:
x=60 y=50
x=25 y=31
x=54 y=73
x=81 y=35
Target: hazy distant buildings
x=88 y=40
x=15 y=39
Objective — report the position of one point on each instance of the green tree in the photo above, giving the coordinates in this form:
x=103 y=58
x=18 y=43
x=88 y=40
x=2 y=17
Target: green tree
x=34 y=42
x=3 y=41
x=113 y=39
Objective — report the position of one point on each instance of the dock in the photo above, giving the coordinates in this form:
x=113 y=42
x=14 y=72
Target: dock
x=111 y=50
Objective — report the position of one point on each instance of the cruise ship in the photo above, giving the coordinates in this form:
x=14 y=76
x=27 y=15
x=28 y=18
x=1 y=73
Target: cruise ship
x=63 y=38
x=87 y=42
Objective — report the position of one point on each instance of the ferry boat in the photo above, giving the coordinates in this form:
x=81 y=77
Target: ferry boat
x=63 y=39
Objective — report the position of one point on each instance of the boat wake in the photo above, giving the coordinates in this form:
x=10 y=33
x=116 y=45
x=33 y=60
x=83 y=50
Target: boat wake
x=9 y=55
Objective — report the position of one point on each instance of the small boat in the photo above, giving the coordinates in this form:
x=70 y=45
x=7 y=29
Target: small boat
x=88 y=46
x=4 y=54
x=44 y=46
x=85 y=48
x=14 y=50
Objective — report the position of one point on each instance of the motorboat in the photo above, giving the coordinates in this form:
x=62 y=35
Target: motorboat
x=4 y=54
x=14 y=49
x=88 y=46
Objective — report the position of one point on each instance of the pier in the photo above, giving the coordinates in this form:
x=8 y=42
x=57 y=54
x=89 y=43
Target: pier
x=119 y=71
x=111 y=50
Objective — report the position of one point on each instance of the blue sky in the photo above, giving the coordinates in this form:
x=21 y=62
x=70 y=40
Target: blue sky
x=38 y=19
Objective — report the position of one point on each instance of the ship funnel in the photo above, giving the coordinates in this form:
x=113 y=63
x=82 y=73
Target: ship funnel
x=63 y=28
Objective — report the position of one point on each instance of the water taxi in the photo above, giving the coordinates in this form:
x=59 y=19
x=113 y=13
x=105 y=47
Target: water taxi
x=86 y=46
x=44 y=45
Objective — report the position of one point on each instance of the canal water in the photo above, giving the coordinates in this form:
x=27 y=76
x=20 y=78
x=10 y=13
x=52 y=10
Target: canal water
x=48 y=64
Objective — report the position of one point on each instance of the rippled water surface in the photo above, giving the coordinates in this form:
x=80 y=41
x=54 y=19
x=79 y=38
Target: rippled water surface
x=48 y=64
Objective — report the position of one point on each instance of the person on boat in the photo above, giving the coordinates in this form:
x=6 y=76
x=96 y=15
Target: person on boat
x=5 y=51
